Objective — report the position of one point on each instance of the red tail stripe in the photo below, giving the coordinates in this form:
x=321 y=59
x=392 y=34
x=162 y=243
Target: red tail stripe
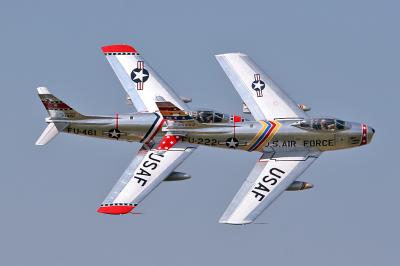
x=50 y=105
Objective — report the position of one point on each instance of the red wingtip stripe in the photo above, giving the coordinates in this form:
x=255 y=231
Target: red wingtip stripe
x=115 y=210
x=118 y=48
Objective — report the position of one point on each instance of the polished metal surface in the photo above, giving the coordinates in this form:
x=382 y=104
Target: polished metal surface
x=322 y=134
x=288 y=140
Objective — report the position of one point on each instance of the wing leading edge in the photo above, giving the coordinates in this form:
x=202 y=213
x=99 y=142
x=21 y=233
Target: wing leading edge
x=267 y=181
x=263 y=97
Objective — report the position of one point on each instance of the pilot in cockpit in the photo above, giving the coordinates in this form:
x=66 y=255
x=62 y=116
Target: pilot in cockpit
x=324 y=124
x=327 y=124
x=205 y=116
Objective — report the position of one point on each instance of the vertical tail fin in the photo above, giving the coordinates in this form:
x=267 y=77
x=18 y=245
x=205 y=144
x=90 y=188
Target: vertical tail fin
x=55 y=107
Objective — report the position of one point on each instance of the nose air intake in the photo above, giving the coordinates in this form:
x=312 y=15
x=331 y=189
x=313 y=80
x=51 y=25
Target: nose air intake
x=371 y=132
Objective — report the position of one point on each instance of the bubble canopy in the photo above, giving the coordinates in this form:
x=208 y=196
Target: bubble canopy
x=323 y=124
x=210 y=116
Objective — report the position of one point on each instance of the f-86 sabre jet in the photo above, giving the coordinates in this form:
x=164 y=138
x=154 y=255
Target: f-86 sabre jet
x=169 y=130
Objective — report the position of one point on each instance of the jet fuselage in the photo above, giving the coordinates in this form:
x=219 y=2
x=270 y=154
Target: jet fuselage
x=276 y=135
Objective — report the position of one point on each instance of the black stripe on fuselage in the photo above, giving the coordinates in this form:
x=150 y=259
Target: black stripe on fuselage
x=151 y=128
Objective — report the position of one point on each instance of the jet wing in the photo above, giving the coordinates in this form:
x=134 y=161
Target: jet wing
x=142 y=84
x=147 y=170
x=263 y=97
x=268 y=179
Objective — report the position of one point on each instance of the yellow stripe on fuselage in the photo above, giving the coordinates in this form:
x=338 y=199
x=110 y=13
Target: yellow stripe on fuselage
x=271 y=134
x=253 y=141
x=265 y=134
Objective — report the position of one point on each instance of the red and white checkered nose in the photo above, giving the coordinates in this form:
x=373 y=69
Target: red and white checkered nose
x=366 y=134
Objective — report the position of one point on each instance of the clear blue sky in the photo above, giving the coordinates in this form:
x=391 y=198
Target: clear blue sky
x=339 y=57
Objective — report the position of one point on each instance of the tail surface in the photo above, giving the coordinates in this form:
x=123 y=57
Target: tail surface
x=50 y=132
x=55 y=107
x=59 y=112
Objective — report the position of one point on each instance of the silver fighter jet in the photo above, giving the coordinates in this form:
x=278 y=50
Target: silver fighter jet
x=287 y=138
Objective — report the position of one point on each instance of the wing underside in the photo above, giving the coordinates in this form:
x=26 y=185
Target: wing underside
x=142 y=84
x=147 y=170
x=270 y=177
x=262 y=96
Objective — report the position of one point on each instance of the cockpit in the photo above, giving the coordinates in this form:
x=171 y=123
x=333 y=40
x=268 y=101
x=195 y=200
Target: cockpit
x=323 y=124
x=209 y=116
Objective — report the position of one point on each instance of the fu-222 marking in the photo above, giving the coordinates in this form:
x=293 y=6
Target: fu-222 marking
x=201 y=141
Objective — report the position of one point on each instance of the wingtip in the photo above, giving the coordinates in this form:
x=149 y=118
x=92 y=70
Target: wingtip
x=230 y=54
x=115 y=209
x=232 y=222
x=43 y=90
x=118 y=48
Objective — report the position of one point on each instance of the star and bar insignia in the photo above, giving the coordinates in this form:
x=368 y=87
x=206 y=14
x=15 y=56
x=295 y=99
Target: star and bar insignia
x=232 y=143
x=114 y=133
x=258 y=85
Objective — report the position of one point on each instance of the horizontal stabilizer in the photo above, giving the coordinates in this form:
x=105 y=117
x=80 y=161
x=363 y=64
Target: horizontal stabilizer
x=50 y=132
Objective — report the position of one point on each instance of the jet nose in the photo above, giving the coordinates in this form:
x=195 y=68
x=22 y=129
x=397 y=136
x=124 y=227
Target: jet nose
x=371 y=132
x=367 y=133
